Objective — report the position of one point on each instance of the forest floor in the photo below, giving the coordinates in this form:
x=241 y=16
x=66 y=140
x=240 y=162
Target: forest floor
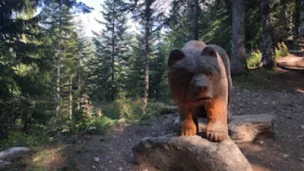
x=295 y=62
x=279 y=92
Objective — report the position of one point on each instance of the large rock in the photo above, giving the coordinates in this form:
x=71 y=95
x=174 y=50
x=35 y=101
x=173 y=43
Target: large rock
x=243 y=128
x=14 y=153
x=189 y=153
x=4 y=164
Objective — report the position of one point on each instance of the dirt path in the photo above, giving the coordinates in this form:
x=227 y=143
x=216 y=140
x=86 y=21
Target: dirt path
x=285 y=152
x=291 y=62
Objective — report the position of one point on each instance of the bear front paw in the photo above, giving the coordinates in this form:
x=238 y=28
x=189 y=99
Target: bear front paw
x=187 y=128
x=216 y=131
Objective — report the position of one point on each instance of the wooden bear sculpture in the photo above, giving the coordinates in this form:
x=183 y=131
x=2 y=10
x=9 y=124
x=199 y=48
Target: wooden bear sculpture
x=200 y=82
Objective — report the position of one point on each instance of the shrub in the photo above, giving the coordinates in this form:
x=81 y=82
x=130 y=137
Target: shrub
x=155 y=108
x=35 y=137
x=98 y=124
x=281 y=50
x=254 y=59
x=130 y=109
x=111 y=110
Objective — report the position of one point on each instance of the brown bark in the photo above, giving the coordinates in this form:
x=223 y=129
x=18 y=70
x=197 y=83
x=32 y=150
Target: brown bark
x=238 y=53
x=301 y=18
x=267 y=24
x=297 y=17
x=71 y=98
x=195 y=19
x=58 y=107
x=148 y=4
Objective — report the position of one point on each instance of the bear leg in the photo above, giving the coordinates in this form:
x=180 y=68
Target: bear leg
x=217 y=128
x=187 y=124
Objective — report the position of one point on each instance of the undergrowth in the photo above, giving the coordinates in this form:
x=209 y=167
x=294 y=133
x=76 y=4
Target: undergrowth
x=259 y=79
x=281 y=50
x=254 y=58
x=99 y=119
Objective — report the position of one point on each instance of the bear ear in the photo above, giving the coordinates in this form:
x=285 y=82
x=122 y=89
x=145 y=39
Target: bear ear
x=208 y=51
x=175 y=55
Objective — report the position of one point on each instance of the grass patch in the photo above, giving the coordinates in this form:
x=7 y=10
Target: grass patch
x=260 y=79
x=254 y=59
x=98 y=125
x=36 y=136
x=281 y=50
x=131 y=109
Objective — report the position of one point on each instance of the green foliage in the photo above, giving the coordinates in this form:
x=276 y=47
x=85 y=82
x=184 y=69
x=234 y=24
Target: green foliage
x=281 y=50
x=254 y=59
x=98 y=125
x=111 y=110
x=130 y=109
x=28 y=58
x=36 y=136
x=214 y=23
x=155 y=108
x=135 y=83
x=112 y=52
x=158 y=71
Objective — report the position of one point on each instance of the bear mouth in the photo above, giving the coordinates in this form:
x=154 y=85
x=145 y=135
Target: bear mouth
x=203 y=99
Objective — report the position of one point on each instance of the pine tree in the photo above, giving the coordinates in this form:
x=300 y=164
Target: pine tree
x=136 y=78
x=85 y=56
x=158 y=67
x=22 y=76
x=112 y=51
x=238 y=55
x=267 y=24
x=180 y=22
x=61 y=32
x=151 y=20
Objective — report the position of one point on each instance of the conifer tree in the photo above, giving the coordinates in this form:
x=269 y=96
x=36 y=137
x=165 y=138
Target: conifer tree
x=21 y=79
x=151 y=20
x=112 y=51
x=58 y=21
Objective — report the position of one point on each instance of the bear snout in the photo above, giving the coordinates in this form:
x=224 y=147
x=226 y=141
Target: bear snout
x=198 y=88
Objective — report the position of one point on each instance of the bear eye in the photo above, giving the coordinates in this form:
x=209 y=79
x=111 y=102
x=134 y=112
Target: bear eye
x=207 y=73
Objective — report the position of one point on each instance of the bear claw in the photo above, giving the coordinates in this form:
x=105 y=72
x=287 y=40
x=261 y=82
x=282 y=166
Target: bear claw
x=216 y=131
x=187 y=128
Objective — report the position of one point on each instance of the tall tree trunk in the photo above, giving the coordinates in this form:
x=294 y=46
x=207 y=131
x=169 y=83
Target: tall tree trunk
x=284 y=17
x=297 y=10
x=148 y=4
x=302 y=19
x=113 y=53
x=238 y=56
x=71 y=98
x=79 y=93
x=196 y=11
x=174 y=18
x=267 y=24
x=174 y=11
x=58 y=108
